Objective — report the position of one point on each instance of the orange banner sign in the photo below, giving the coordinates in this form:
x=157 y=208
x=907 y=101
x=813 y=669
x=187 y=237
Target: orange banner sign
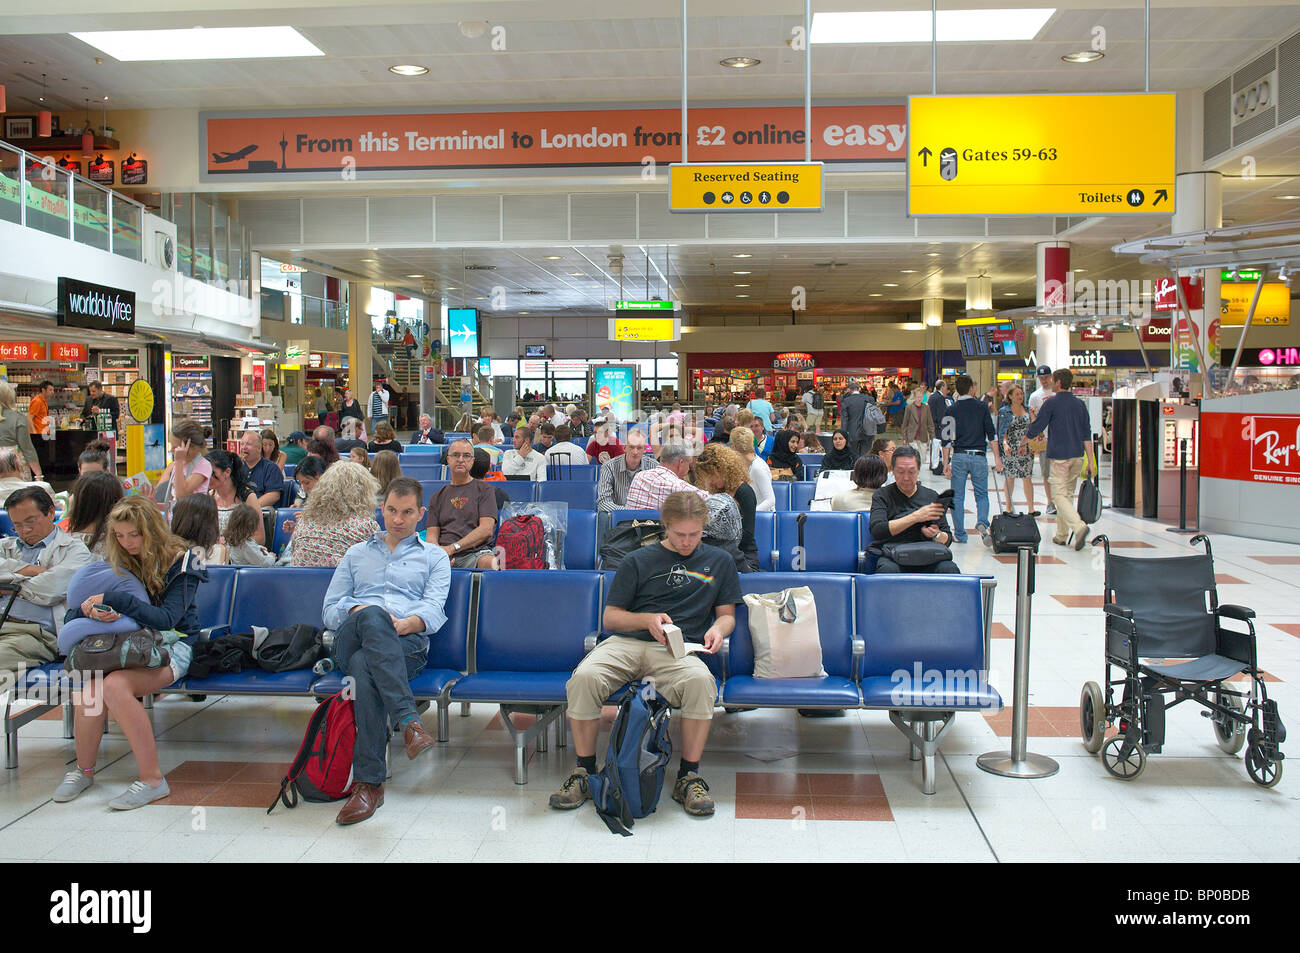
x=310 y=146
x=22 y=351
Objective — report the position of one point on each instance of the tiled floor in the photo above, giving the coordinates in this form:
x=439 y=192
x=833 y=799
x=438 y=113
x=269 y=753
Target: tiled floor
x=786 y=787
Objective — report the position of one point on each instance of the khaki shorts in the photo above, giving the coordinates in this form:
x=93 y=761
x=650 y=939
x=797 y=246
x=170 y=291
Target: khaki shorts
x=469 y=560
x=686 y=683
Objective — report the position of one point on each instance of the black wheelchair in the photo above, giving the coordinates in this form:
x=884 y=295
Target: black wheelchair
x=1169 y=609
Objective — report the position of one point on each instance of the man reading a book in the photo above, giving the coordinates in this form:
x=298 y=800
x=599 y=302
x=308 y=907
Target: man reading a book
x=680 y=582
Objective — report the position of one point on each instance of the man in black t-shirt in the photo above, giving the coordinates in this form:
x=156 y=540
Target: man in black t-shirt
x=681 y=582
x=906 y=512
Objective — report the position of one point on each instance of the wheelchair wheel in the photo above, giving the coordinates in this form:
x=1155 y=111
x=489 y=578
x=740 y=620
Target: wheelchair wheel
x=1092 y=717
x=1261 y=769
x=1125 y=767
x=1230 y=735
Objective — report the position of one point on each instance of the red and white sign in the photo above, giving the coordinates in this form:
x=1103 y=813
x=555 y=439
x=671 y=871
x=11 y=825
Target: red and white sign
x=1157 y=332
x=22 y=351
x=68 y=352
x=1096 y=334
x=1254 y=448
x=1166 y=294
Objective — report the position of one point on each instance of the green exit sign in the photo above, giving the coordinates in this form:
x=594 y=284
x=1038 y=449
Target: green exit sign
x=645 y=305
x=1241 y=274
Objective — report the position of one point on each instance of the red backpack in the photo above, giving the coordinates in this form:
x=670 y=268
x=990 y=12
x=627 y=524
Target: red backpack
x=522 y=539
x=322 y=770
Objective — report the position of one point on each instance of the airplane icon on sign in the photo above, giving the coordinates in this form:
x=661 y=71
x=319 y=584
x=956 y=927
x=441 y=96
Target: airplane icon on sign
x=465 y=333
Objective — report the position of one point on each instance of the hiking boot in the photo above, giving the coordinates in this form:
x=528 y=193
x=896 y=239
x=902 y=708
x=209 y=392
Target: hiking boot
x=74 y=782
x=573 y=793
x=693 y=794
x=138 y=795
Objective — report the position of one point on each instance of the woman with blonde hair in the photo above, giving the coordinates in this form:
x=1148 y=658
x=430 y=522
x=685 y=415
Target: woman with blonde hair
x=140 y=545
x=13 y=429
x=385 y=468
x=760 y=475
x=722 y=472
x=339 y=514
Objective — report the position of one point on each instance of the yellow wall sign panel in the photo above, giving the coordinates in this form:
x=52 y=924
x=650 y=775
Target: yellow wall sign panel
x=1274 y=306
x=745 y=187
x=644 y=329
x=1102 y=154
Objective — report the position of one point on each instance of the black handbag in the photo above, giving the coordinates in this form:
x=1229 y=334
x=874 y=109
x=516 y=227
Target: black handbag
x=1011 y=532
x=916 y=555
x=142 y=648
x=1089 y=502
x=626 y=538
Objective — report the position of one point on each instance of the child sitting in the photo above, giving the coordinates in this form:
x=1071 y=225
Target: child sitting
x=240 y=528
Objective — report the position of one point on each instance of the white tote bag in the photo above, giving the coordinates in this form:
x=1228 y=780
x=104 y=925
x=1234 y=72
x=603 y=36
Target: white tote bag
x=783 y=628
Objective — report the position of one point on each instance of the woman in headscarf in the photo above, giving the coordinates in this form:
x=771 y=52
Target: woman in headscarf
x=839 y=457
x=785 y=455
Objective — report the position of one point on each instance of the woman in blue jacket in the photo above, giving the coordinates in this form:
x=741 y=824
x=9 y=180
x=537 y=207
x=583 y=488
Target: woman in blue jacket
x=141 y=545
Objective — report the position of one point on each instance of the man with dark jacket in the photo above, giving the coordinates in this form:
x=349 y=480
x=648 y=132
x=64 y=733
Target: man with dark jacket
x=853 y=411
x=907 y=512
x=1069 y=454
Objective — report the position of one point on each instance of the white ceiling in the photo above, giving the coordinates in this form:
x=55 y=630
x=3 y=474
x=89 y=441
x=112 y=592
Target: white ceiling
x=576 y=51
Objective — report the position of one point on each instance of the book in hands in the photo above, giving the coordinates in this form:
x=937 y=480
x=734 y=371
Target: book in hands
x=678 y=647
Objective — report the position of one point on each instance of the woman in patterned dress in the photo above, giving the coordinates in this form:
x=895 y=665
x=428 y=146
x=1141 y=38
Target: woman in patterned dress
x=1017 y=461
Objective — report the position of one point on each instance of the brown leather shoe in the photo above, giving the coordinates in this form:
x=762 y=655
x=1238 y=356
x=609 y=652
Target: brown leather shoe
x=365 y=800
x=416 y=738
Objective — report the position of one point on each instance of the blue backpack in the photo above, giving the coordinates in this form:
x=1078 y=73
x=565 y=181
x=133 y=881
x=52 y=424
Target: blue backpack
x=629 y=784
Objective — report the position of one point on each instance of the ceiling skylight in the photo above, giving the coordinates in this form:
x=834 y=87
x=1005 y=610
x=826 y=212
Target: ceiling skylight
x=913 y=26
x=202 y=43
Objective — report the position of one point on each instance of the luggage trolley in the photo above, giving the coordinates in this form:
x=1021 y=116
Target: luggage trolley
x=1168 y=609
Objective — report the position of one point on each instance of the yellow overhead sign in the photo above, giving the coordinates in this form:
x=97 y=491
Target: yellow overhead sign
x=745 y=187
x=1274 y=304
x=1098 y=154
x=644 y=329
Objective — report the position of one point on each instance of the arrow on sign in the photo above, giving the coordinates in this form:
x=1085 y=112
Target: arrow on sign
x=1161 y=194
x=925 y=154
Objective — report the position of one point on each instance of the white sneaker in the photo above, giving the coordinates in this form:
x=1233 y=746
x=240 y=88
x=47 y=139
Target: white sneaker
x=138 y=795
x=74 y=782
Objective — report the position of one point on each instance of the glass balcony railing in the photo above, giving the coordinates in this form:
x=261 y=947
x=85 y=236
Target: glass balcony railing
x=36 y=193
x=320 y=313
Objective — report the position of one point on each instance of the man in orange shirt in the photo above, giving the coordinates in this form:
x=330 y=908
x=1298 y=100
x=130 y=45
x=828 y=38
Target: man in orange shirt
x=38 y=412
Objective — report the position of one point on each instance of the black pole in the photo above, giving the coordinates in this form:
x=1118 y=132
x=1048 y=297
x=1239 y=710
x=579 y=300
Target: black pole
x=1182 y=490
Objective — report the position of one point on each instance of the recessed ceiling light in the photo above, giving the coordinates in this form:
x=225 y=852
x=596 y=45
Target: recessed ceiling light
x=370 y=261
x=1083 y=56
x=552 y=258
x=890 y=284
x=1286 y=198
x=577 y=274
x=742 y=286
x=742 y=272
x=913 y=326
x=742 y=296
x=913 y=26
x=1008 y=294
x=408 y=69
x=202 y=43
x=739 y=62
x=908 y=271
x=875 y=294
x=524 y=312
x=415 y=276
x=480 y=297
x=742 y=255
x=450 y=288
x=932 y=254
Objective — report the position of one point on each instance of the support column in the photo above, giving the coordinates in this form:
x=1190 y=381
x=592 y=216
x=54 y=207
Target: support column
x=360 y=350
x=1052 y=344
x=1199 y=197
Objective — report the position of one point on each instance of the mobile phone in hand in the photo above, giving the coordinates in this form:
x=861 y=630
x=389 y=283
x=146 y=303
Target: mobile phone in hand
x=100 y=607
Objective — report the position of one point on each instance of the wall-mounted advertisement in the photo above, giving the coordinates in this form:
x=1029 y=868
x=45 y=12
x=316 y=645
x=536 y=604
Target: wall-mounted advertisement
x=462 y=330
x=615 y=390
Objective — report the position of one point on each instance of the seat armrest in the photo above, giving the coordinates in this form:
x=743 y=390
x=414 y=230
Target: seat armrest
x=327 y=639
x=1240 y=613
x=858 y=654
x=589 y=641
x=214 y=632
x=862 y=560
x=1118 y=611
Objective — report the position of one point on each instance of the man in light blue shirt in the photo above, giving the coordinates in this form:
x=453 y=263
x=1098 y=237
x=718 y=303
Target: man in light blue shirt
x=761 y=408
x=385 y=600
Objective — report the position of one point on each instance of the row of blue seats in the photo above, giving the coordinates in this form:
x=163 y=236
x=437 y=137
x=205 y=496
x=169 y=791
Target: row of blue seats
x=833 y=542
x=885 y=639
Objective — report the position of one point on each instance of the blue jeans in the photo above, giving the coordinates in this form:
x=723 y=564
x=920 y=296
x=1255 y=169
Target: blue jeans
x=977 y=468
x=368 y=648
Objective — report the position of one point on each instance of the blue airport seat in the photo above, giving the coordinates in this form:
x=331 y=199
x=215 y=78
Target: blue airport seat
x=453 y=437
x=521 y=491
x=424 y=473
x=580 y=495
x=868 y=557
x=624 y=516
x=782 y=493
x=580 y=442
x=810 y=460
x=801 y=495
x=6 y=524
x=529 y=664
x=580 y=539
x=288 y=470
x=833 y=594
x=431 y=487
x=830 y=542
x=810 y=470
x=582 y=472
x=926 y=622
x=280 y=538
x=216 y=597
x=765 y=539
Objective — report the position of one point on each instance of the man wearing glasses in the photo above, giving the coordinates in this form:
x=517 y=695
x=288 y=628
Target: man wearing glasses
x=39 y=562
x=463 y=514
